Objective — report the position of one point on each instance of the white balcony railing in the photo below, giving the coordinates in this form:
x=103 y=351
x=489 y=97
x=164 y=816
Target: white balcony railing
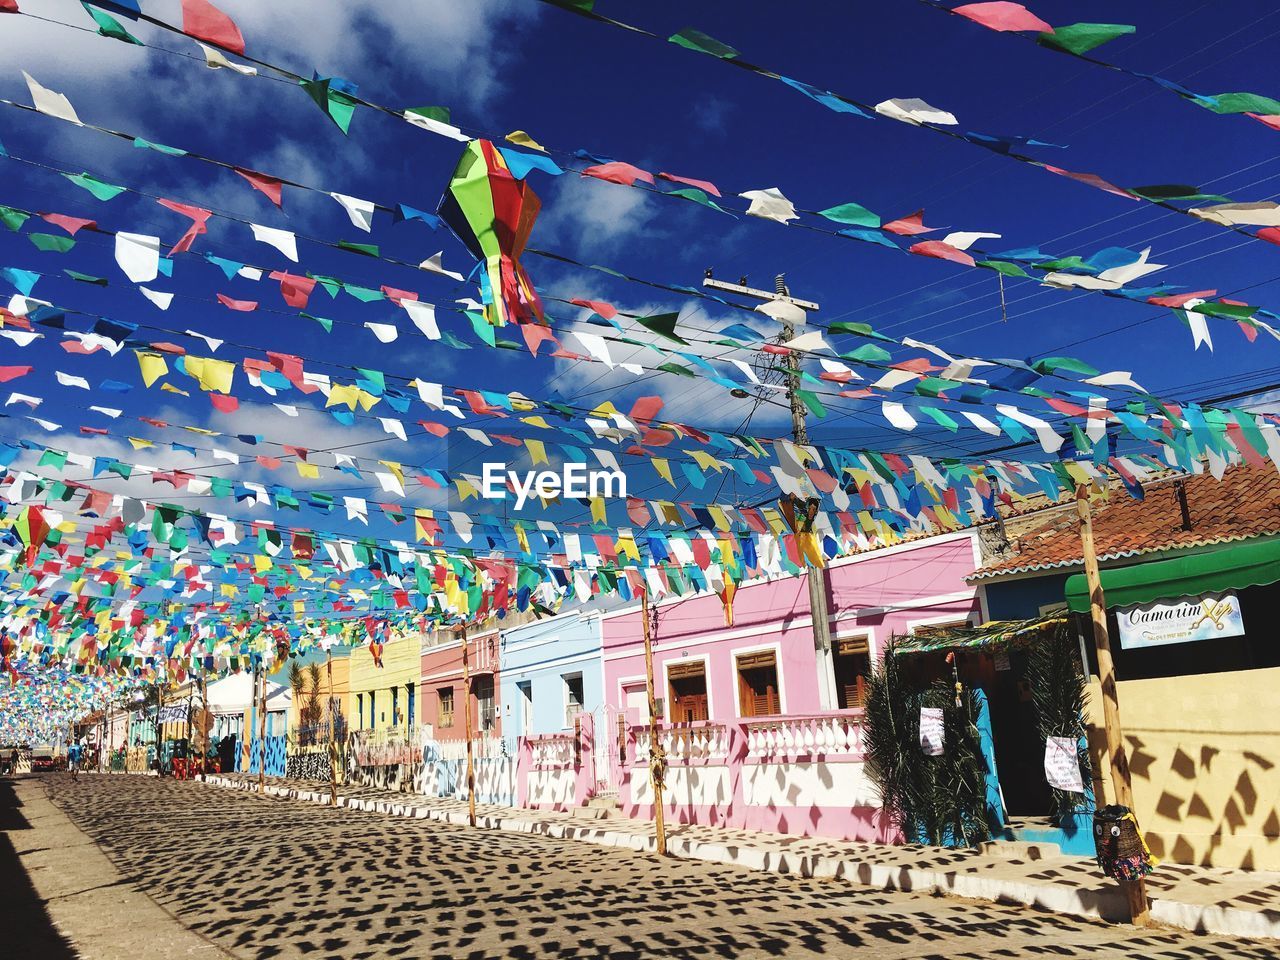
x=702 y=742
x=784 y=737
x=555 y=752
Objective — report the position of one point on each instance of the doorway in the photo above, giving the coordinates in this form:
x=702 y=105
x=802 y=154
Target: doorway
x=688 y=691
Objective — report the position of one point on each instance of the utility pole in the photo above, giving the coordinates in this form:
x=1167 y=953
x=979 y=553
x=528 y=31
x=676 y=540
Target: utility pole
x=102 y=737
x=191 y=693
x=657 y=759
x=792 y=313
x=466 y=711
x=333 y=745
x=159 y=708
x=262 y=731
x=1121 y=782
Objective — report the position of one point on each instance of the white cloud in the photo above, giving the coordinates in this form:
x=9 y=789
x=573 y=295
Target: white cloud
x=413 y=43
x=698 y=402
x=594 y=218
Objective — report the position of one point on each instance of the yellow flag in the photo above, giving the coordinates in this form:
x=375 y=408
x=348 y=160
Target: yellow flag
x=211 y=374
x=170 y=388
x=308 y=471
x=664 y=469
x=339 y=393
x=522 y=139
x=536 y=422
x=706 y=461
x=537 y=451
x=597 y=510
x=627 y=547
x=139 y=444
x=153 y=367
x=261 y=562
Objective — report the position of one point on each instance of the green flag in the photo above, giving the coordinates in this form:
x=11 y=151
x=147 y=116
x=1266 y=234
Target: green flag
x=109 y=26
x=692 y=39
x=99 y=188
x=1080 y=38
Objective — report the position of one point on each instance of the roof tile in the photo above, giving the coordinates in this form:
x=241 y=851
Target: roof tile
x=1245 y=503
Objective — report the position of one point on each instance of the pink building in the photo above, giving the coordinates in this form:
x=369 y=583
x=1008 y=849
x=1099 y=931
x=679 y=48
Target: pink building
x=761 y=729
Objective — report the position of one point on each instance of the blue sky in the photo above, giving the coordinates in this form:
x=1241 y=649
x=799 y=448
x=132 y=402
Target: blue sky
x=571 y=84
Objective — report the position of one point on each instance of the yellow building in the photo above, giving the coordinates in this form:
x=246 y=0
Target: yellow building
x=387 y=696
x=335 y=680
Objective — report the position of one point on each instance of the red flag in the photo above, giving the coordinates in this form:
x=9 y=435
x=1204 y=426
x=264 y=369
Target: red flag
x=204 y=21
x=224 y=403
x=13 y=373
x=199 y=217
x=941 y=251
x=69 y=224
x=296 y=290
x=908 y=226
x=244 y=306
x=268 y=185
x=1001 y=15
x=618 y=172
x=706 y=185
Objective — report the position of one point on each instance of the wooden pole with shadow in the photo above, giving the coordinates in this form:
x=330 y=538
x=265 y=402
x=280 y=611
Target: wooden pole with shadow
x=1121 y=780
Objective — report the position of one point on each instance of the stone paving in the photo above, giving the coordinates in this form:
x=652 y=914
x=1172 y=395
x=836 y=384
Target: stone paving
x=266 y=877
x=1200 y=899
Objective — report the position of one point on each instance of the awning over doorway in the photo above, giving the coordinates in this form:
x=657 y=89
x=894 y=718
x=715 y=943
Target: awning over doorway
x=993 y=633
x=1233 y=567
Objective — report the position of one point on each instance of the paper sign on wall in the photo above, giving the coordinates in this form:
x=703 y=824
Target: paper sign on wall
x=932 y=733
x=1001 y=658
x=1061 y=767
x=1209 y=616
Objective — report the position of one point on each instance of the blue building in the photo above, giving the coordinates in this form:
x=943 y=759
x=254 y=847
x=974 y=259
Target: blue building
x=551 y=670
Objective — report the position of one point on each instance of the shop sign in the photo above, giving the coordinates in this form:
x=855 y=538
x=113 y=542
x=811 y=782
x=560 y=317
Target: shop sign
x=1206 y=617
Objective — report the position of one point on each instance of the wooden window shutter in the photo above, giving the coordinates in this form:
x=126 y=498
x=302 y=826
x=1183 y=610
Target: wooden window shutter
x=677 y=670
x=754 y=661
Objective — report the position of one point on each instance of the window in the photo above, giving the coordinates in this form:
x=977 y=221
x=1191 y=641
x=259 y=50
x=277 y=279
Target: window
x=636 y=698
x=360 y=709
x=525 y=687
x=688 y=683
x=396 y=719
x=852 y=659
x=276 y=723
x=758 y=685
x=573 y=697
x=373 y=710
x=412 y=719
x=483 y=688
x=444 y=714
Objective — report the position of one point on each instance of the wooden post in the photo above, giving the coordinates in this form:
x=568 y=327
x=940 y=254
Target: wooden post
x=159 y=707
x=102 y=739
x=191 y=692
x=1121 y=782
x=656 y=758
x=333 y=746
x=262 y=733
x=466 y=711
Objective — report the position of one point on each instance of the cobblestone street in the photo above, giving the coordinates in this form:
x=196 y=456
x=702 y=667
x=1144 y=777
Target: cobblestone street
x=264 y=877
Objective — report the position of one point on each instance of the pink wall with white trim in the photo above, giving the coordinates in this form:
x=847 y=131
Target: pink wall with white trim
x=875 y=594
